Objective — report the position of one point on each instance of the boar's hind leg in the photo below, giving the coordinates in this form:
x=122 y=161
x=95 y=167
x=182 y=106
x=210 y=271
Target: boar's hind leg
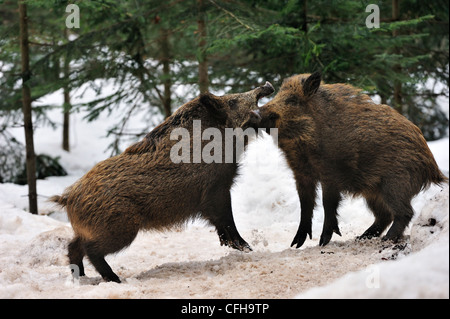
x=331 y=199
x=402 y=216
x=76 y=254
x=120 y=233
x=383 y=216
x=97 y=259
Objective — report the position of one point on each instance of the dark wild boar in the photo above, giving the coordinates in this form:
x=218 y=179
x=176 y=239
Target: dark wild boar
x=143 y=189
x=335 y=135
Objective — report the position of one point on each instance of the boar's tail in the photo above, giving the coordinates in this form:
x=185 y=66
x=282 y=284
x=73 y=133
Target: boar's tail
x=60 y=200
x=436 y=177
x=440 y=179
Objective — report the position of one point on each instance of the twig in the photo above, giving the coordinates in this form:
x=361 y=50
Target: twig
x=232 y=15
x=41 y=44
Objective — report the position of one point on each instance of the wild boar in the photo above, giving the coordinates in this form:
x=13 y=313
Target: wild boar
x=143 y=188
x=336 y=135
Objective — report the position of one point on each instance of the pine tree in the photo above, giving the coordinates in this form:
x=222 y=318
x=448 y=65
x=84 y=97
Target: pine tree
x=26 y=102
x=149 y=48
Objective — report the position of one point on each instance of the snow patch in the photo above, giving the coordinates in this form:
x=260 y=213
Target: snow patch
x=190 y=263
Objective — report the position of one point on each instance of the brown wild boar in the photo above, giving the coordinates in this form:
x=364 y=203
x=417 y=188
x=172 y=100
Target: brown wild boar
x=144 y=189
x=335 y=135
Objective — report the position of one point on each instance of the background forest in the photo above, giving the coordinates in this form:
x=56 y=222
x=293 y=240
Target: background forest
x=149 y=49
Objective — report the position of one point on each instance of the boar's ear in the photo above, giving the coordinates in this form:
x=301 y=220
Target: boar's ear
x=311 y=84
x=214 y=105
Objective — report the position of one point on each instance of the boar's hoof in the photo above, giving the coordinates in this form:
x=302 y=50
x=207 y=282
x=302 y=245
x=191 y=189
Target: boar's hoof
x=230 y=237
x=365 y=237
x=300 y=237
x=370 y=233
x=238 y=244
x=325 y=238
x=242 y=247
x=327 y=234
x=113 y=277
x=393 y=239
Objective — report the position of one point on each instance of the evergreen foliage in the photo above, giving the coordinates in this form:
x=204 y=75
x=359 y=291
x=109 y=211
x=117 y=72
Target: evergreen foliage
x=149 y=48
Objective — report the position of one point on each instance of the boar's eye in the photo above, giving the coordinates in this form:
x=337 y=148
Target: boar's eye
x=233 y=104
x=292 y=100
x=273 y=116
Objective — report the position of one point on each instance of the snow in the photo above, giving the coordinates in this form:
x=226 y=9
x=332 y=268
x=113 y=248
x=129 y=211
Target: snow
x=190 y=263
x=421 y=274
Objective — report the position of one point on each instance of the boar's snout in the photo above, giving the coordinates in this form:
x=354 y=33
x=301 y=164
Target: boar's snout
x=255 y=116
x=264 y=90
x=253 y=120
x=267 y=118
x=245 y=102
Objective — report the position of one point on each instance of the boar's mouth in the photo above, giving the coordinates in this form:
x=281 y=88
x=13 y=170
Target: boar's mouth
x=264 y=90
x=253 y=118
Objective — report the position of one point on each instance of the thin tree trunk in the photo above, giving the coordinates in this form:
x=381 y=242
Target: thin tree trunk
x=26 y=108
x=66 y=120
x=66 y=105
x=165 y=59
x=398 y=104
x=395 y=10
x=203 y=80
x=305 y=16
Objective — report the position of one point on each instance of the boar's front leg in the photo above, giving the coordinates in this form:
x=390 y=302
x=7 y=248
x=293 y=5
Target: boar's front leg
x=331 y=198
x=307 y=193
x=219 y=213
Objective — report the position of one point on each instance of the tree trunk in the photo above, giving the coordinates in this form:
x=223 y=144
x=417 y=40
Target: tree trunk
x=395 y=10
x=66 y=105
x=397 y=68
x=398 y=103
x=66 y=120
x=203 y=80
x=26 y=108
x=165 y=59
x=305 y=17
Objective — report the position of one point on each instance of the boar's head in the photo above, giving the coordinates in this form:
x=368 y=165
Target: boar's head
x=286 y=111
x=235 y=107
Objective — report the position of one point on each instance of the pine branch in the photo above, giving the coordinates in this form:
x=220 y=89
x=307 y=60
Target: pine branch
x=41 y=44
x=232 y=15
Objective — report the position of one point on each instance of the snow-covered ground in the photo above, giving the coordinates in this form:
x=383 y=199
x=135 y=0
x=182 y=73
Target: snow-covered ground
x=190 y=263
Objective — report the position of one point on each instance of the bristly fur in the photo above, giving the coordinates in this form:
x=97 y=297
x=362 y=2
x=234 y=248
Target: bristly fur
x=143 y=189
x=336 y=135
x=60 y=200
